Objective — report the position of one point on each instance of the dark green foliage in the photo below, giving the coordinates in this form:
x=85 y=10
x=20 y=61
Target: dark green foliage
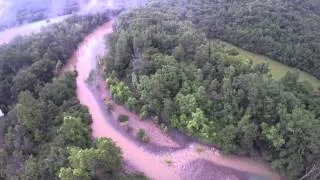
x=174 y=73
x=136 y=176
x=38 y=130
x=123 y=118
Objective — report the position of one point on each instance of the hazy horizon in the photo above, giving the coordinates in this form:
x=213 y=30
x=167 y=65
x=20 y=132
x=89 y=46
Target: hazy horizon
x=25 y=11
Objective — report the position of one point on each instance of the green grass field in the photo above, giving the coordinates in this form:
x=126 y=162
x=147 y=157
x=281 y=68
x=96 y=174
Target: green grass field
x=277 y=69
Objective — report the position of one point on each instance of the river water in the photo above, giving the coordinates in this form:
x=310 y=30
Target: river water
x=172 y=160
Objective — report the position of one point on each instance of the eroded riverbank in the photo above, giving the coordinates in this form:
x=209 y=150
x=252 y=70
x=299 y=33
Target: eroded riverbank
x=172 y=160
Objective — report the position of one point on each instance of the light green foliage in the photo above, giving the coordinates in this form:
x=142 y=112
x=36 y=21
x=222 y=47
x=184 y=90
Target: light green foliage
x=102 y=161
x=73 y=174
x=198 y=124
x=28 y=111
x=75 y=132
x=132 y=103
x=187 y=104
x=120 y=92
x=272 y=134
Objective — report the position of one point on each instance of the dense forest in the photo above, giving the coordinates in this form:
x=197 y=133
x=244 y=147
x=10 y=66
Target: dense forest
x=164 y=64
x=286 y=30
x=46 y=133
x=163 y=68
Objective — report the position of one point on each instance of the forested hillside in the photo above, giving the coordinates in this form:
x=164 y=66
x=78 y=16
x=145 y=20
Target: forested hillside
x=163 y=68
x=18 y=12
x=46 y=132
x=286 y=30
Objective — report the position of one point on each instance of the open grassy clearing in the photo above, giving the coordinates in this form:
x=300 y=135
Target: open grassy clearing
x=277 y=69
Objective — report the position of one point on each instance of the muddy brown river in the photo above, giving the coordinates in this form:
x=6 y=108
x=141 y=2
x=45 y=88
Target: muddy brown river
x=164 y=158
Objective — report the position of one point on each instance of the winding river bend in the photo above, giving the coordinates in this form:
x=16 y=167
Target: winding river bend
x=164 y=157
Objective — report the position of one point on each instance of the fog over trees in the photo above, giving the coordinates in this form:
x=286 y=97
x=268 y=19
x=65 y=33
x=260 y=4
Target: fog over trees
x=18 y=12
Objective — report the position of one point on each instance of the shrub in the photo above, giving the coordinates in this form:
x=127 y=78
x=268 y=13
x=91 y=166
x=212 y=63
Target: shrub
x=92 y=78
x=138 y=175
x=156 y=119
x=168 y=161
x=142 y=136
x=145 y=139
x=199 y=149
x=233 y=52
x=126 y=126
x=123 y=118
x=120 y=92
x=164 y=127
x=131 y=104
x=109 y=104
x=144 y=112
